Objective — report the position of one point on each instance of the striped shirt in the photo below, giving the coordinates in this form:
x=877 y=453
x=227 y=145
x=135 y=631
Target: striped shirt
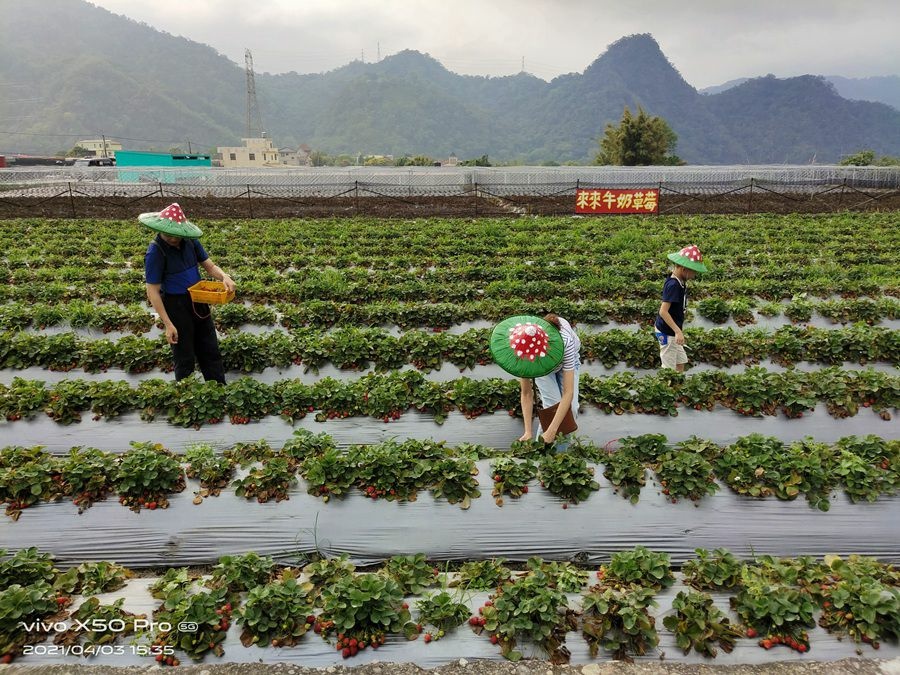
x=571 y=346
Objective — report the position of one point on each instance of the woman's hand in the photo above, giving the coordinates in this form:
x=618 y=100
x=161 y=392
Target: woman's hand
x=525 y=437
x=548 y=436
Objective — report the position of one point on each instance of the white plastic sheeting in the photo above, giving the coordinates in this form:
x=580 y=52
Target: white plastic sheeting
x=534 y=525
x=496 y=430
x=463 y=643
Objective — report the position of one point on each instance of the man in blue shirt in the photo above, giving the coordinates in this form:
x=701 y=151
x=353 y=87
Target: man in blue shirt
x=170 y=268
x=670 y=319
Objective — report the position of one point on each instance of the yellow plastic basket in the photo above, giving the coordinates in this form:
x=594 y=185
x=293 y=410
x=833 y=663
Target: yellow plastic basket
x=210 y=292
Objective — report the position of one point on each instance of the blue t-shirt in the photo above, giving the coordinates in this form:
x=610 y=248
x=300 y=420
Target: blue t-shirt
x=676 y=294
x=175 y=268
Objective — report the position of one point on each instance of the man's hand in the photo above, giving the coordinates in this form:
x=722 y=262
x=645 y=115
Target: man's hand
x=171 y=334
x=228 y=282
x=679 y=338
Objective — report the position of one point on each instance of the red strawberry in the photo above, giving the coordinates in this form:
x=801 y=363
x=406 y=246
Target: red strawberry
x=427 y=638
x=494 y=639
x=345 y=652
x=751 y=633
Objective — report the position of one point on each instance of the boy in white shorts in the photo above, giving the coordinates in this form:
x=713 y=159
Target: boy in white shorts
x=670 y=319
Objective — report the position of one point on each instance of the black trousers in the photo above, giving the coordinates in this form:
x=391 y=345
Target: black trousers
x=197 y=341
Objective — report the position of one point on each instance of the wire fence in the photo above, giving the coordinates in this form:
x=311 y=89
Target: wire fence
x=99 y=192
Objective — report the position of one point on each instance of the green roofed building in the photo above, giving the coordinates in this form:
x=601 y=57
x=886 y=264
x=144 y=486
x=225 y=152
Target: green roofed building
x=140 y=165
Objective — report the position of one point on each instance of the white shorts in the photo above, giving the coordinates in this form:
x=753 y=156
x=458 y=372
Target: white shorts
x=671 y=354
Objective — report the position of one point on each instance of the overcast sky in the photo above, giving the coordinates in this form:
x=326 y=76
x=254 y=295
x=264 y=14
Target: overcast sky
x=709 y=41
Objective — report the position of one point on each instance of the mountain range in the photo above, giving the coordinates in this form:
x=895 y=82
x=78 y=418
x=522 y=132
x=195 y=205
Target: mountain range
x=73 y=69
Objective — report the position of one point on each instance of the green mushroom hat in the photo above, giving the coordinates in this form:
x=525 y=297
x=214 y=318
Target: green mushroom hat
x=526 y=346
x=689 y=257
x=171 y=220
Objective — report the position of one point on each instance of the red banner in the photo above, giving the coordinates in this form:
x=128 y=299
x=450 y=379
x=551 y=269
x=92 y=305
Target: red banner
x=617 y=201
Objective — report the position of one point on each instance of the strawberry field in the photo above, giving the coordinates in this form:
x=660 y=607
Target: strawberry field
x=356 y=485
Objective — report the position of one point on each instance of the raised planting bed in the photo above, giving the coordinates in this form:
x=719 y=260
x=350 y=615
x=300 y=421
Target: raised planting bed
x=583 y=504
x=248 y=610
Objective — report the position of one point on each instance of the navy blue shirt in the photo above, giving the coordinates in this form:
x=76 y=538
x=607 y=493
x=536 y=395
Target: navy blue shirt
x=175 y=268
x=675 y=294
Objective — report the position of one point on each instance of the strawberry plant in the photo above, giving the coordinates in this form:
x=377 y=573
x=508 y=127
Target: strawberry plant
x=303 y=444
x=90 y=578
x=198 y=623
x=27 y=476
x=192 y=403
x=618 y=621
x=685 y=475
x=26 y=566
x=562 y=575
x=511 y=477
x=213 y=471
x=245 y=454
x=752 y=467
x=22 y=399
x=863 y=608
x=68 y=399
x=531 y=608
x=699 y=625
x=20 y=605
x=715 y=570
x=328 y=570
x=534 y=450
x=329 y=474
x=568 y=477
x=482 y=575
x=412 y=573
x=754 y=392
x=639 y=566
x=647 y=448
x=87 y=476
x=175 y=579
x=453 y=479
x=625 y=471
x=241 y=572
x=442 y=611
x=294 y=399
x=98 y=625
x=778 y=613
x=861 y=480
x=110 y=398
x=699 y=446
x=248 y=399
x=363 y=609
x=272 y=480
x=276 y=613
x=388 y=470
x=147 y=475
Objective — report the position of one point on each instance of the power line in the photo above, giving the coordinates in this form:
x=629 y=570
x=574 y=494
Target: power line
x=114 y=137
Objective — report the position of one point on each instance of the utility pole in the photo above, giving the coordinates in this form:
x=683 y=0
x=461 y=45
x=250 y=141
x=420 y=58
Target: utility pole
x=189 y=148
x=104 y=145
x=252 y=103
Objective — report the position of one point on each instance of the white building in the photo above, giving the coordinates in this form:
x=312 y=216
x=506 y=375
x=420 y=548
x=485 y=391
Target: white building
x=100 y=147
x=254 y=152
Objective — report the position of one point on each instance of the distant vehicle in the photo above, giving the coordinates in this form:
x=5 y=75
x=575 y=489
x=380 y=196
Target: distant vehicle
x=94 y=161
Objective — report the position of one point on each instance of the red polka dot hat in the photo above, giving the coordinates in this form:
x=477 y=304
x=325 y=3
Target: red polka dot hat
x=689 y=257
x=171 y=220
x=526 y=346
